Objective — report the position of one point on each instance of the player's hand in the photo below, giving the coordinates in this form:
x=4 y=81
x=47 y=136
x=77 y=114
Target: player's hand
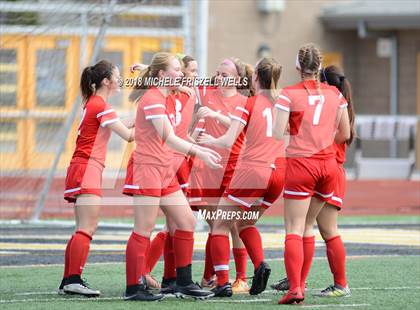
x=206 y=149
x=206 y=139
x=137 y=67
x=209 y=158
x=186 y=90
x=206 y=112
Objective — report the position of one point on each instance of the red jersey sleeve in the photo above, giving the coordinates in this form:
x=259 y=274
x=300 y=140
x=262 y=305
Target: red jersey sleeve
x=284 y=101
x=155 y=109
x=199 y=126
x=342 y=101
x=105 y=114
x=241 y=113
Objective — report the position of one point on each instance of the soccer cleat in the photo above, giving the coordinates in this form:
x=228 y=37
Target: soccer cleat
x=76 y=286
x=61 y=287
x=168 y=286
x=282 y=285
x=140 y=292
x=193 y=290
x=259 y=281
x=334 y=291
x=210 y=284
x=240 y=287
x=223 y=290
x=292 y=297
x=151 y=282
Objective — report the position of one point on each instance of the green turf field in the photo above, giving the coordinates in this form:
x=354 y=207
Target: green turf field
x=376 y=282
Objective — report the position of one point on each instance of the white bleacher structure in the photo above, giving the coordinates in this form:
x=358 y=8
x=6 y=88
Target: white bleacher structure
x=394 y=129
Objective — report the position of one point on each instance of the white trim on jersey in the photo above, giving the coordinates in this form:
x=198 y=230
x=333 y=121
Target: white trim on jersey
x=285 y=98
x=239 y=201
x=296 y=193
x=280 y=107
x=269 y=204
x=242 y=109
x=153 y=106
x=155 y=116
x=184 y=185
x=238 y=119
x=324 y=195
x=129 y=186
x=340 y=96
x=221 y=267
x=110 y=122
x=71 y=190
x=104 y=112
x=344 y=105
x=335 y=198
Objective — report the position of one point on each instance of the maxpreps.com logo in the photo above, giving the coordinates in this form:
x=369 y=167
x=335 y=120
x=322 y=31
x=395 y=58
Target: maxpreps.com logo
x=227 y=215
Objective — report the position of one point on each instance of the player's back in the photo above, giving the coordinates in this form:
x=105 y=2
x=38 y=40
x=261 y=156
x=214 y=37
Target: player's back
x=261 y=147
x=314 y=114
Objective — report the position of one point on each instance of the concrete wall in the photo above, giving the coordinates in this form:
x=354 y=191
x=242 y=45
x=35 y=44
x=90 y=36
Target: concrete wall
x=236 y=28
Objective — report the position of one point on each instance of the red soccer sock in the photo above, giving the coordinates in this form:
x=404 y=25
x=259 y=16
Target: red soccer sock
x=67 y=258
x=155 y=251
x=293 y=259
x=183 y=247
x=336 y=254
x=169 y=271
x=135 y=257
x=308 y=254
x=252 y=239
x=220 y=255
x=208 y=263
x=79 y=251
x=240 y=256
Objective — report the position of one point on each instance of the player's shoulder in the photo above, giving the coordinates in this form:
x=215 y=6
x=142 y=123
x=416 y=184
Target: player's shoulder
x=96 y=104
x=152 y=96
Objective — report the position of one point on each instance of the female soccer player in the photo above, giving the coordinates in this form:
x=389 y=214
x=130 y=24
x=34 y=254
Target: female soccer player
x=180 y=105
x=84 y=175
x=208 y=185
x=256 y=177
x=327 y=218
x=152 y=182
x=313 y=111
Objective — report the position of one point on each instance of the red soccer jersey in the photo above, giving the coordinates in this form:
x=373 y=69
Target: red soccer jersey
x=313 y=118
x=340 y=152
x=180 y=110
x=257 y=116
x=150 y=148
x=225 y=105
x=93 y=133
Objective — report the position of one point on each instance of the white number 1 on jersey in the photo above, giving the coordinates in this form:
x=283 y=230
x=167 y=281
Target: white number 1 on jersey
x=317 y=100
x=267 y=113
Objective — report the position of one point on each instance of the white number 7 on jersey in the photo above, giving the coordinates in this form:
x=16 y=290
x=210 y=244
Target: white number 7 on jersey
x=317 y=100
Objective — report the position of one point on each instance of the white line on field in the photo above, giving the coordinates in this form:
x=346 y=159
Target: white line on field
x=237 y=300
x=337 y=305
x=265 y=292
x=202 y=261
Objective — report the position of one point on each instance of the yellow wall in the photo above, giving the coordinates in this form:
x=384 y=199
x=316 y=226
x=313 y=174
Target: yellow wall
x=26 y=47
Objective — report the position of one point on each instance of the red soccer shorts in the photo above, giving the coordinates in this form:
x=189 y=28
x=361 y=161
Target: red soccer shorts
x=340 y=188
x=307 y=177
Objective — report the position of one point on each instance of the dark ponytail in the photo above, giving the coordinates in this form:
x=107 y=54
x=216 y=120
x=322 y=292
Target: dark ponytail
x=93 y=76
x=335 y=77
